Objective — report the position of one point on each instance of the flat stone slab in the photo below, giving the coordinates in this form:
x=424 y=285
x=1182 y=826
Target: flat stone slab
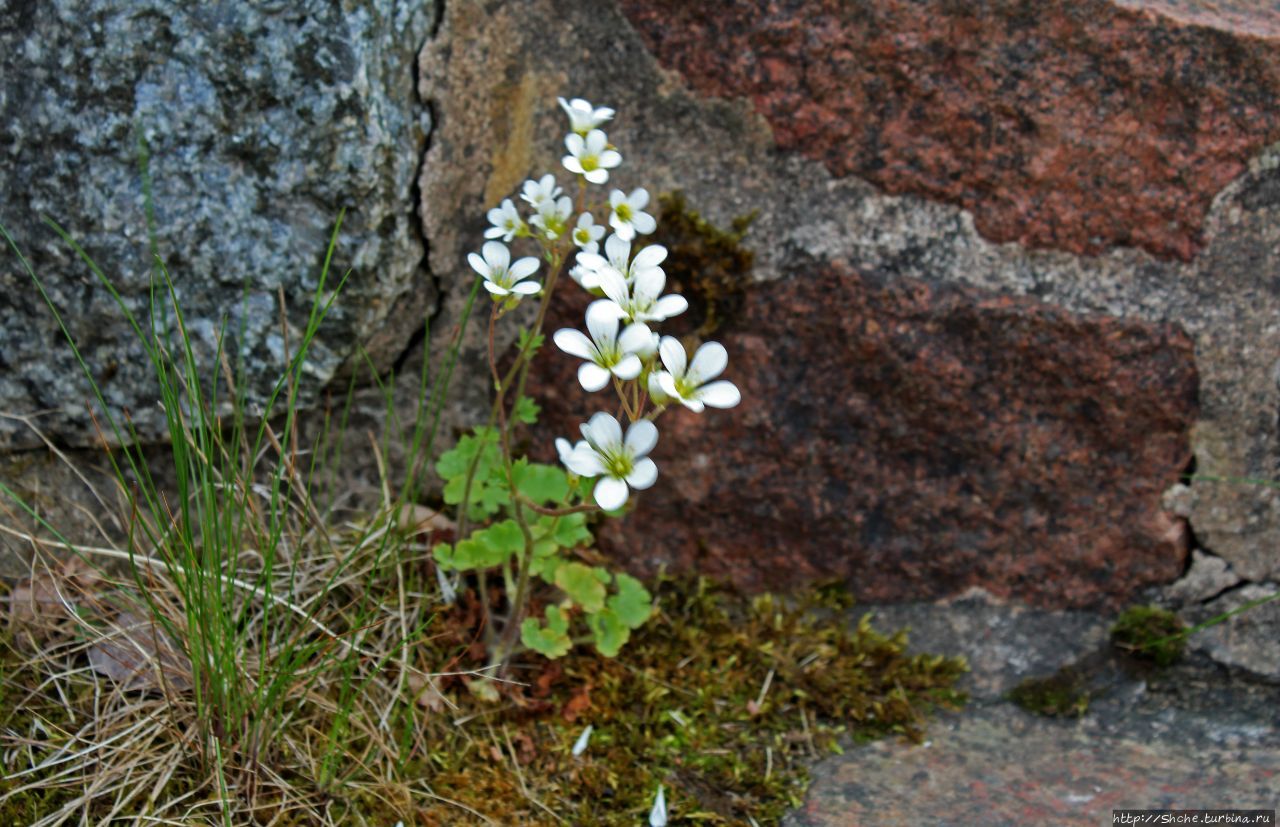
x=1193 y=736
x=999 y=765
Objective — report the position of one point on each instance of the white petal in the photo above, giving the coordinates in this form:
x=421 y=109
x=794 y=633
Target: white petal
x=524 y=268
x=563 y=446
x=641 y=437
x=655 y=387
x=668 y=306
x=628 y=367
x=596 y=142
x=592 y=377
x=611 y=494
x=673 y=356
x=574 y=143
x=571 y=164
x=694 y=405
x=496 y=289
x=494 y=232
x=644 y=223
x=722 y=394
x=618 y=249
x=643 y=474
x=597 y=176
x=609 y=159
x=603 y=431
x=526 y=288
x=649 y=284
x=623 y=230
x=602 y=322
x=574 y=343
x=614 y=285
x=634 y=339
x=496 y=254
x=496 y=215
x=709 y=362
x=478 y=264
x=650 y=256
x=639 y=198
x=584 y=461
x=592 y=261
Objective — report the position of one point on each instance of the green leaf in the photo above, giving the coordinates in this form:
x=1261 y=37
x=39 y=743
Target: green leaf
x=609 y=631
x=632 y=604
x=443 y=554
x=542 y=483
x=525 y=410
x=546 y=567
x=550 y=640
x=454 y=463
x=582 y=585
x=503 y=538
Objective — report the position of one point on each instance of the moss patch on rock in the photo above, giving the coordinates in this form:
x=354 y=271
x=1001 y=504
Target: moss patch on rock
x=1150 y=633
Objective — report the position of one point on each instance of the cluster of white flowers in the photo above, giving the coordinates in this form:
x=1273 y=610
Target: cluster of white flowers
x=620 y=346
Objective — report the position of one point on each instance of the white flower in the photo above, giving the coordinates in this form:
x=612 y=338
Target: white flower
x=689 y=384
x=617 y=254
x=553 y=217
x=642 y=301
x=499 y=279
x=588 y=233
x=535 y=193
x=582 y=117
x=506 y=222
x=580 y=746
x=658 y=815
x=620 y=462
x=590 y=157
x=627 y=217
x=606 y=352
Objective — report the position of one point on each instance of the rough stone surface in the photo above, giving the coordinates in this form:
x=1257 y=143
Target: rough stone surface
x=264 y=121
x=1189 y=736
x=491 y=77
x=1059 y=124
x=1251 y=639
x=934 y=438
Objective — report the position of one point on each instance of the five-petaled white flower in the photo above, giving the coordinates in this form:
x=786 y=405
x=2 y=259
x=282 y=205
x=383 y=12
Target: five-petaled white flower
x=690 y=383
x=628 y=217
x=582 y=117
x=536 y=193
x=506 y=221
x=590 y=157
x=587 y=234
x=642 y=301
x=553 y=217
x=501 y=279
x=605 y=352
x=621 y=462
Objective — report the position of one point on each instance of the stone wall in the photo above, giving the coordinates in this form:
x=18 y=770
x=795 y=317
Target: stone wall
x=1015 y=275
x=1014 y=263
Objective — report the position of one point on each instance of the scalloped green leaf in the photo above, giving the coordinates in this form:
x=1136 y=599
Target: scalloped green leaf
x=610 y=633
x=525 y=410
x=582 y=585
x=550 y=640
x=543 y=483
x=632 y=604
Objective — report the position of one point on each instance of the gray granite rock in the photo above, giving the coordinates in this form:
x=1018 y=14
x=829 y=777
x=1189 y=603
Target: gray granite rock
x=1249 y=640
x=264 y=121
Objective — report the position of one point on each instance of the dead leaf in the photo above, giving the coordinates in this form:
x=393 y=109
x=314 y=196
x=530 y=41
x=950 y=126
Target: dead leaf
x=138 y=655
x=419 y=519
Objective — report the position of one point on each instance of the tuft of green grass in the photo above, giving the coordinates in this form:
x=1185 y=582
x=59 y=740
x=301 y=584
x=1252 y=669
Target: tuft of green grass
x=1150 y=633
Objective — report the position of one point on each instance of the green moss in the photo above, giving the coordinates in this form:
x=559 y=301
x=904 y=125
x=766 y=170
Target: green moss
x=705 y=263
x=1065 y=694
x=1151 y=633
